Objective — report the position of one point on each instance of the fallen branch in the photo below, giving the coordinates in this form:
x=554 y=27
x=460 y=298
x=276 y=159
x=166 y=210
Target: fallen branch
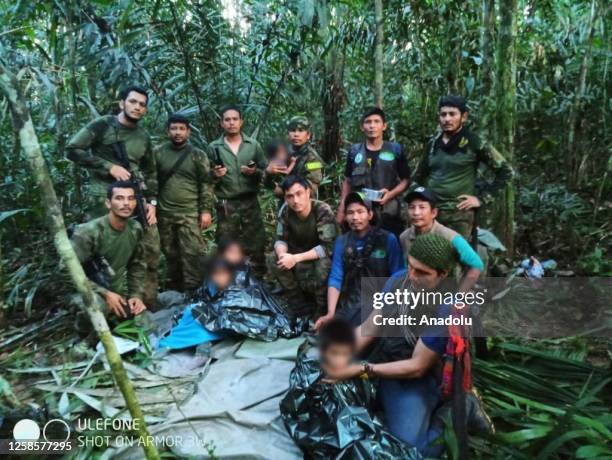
x=23 y=126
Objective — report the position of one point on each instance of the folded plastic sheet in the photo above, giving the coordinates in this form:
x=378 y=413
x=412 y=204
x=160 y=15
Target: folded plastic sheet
x=336 y=420
x=245 y=308
x=232 y=415
x=188 y=333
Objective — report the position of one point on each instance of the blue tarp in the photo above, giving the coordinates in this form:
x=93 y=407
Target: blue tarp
x=188 y=333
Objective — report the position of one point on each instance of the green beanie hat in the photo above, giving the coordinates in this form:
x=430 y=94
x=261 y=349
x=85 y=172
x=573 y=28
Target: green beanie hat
x=435 y=251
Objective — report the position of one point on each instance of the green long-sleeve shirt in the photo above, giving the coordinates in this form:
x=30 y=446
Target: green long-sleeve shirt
x=188 y=190
x=453 y=172
x=92 y=149
x=123 y=250
x=235 y=184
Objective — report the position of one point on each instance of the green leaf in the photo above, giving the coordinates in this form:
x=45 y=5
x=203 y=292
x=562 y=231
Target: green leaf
x=6 y=214
x=593 y=451
x=521 y=436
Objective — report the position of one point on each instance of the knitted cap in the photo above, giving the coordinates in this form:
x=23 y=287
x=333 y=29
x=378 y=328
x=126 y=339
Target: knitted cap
x=435 y=251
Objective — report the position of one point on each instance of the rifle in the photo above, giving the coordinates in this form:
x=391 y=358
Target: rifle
x=137 y=182
x=99 y=271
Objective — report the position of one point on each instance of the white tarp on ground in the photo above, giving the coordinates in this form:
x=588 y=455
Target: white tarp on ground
x=234 y=412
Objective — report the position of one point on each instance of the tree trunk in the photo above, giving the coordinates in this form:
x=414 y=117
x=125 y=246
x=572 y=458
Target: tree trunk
x=505 y=95
x=333 y=99
x=22 y=123
x=572 y=162
x=487 y=40
x=454 y=41
x=378 y=54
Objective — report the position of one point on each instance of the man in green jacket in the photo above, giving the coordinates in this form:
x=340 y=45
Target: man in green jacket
x=95 y=147
x=185 y=204
x=111 y=249
x=238 y=165
x=450 y=166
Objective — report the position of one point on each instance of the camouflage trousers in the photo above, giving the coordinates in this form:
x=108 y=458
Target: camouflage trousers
x=305 y=285
x=183 y=247
x=240 y=219
x=97 y=208
x=460 y=221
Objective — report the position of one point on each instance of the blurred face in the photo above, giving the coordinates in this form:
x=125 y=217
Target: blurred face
x=373 y=126
x=122 y=203
x=338 y=356
x=231 y=122
x=451 y=119
x=358 y=217
x=221 y=278
x=298 y=198
x=421 y=214
x=422 y=276
x=281 y=155
x=233 y=254
x=134 y=106
x=178 y=133
x=298 y=137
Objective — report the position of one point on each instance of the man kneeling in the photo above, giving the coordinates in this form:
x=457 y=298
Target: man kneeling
x=304 y=237
x=111 y=251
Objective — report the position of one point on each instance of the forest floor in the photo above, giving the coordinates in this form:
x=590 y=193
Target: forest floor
x=535 y=390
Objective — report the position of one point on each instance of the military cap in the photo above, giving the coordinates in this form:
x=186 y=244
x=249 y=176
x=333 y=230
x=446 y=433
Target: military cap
x=299 y=121
x=423 y=194
x=357 y=197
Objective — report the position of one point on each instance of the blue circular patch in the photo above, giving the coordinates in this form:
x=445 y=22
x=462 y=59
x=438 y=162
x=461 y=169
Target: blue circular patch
x=358 y=158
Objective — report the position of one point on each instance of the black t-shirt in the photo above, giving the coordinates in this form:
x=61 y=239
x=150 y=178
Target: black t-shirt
x=403 y=170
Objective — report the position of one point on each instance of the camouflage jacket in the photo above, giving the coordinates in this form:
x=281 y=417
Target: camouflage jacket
x=453 y=172
x=308 y=165
x=317 y=231
x=123 y=250
x=92 y=148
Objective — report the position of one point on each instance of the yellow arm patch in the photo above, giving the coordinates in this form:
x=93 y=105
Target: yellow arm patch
x=313 y=165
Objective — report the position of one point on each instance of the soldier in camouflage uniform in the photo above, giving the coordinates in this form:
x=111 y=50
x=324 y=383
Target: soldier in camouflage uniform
x=450 y=165
x=111 y=249
x=304 y=161
x=94 y=147
x=185 y=204
x=238 y=165
x=301 y=260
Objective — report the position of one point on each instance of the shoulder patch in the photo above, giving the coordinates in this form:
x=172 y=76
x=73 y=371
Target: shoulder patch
x=386 y=156
x=313 y=165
